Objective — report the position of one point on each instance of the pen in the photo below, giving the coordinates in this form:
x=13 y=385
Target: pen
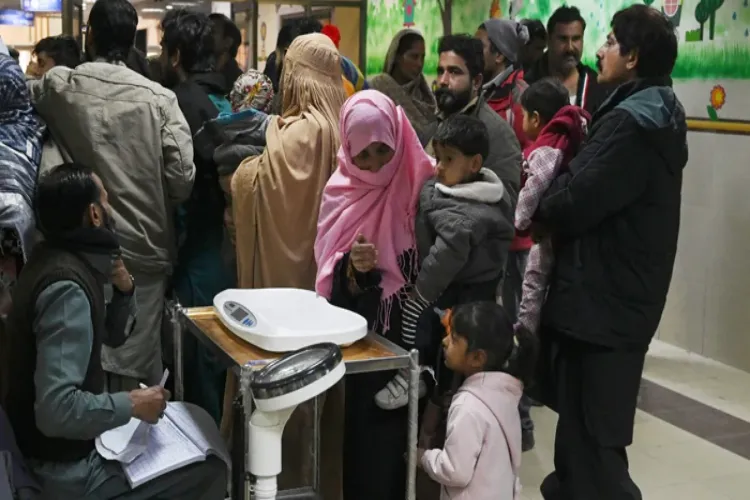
x=163 y=380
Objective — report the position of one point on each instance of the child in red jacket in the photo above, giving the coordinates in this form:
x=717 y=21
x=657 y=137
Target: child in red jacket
x=558 y=130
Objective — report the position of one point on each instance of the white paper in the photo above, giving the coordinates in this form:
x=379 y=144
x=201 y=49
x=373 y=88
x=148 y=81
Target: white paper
x=168 y=450
x=124 y=444
x=186 y=435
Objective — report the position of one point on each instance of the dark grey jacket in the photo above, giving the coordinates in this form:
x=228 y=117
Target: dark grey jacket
x=462 y=234
x=505 y=156
x=233 y=138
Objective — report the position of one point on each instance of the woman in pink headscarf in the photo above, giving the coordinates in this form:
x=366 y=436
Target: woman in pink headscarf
x=366 y=256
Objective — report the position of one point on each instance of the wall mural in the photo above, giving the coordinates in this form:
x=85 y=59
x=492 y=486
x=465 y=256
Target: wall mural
x=714 y=38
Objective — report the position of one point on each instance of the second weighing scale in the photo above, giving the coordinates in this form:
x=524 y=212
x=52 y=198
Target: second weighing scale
x=287 y=319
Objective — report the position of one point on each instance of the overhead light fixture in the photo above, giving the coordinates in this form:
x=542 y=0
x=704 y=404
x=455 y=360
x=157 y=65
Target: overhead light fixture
x=169 y=7
x=152 y=9
x=185 y=4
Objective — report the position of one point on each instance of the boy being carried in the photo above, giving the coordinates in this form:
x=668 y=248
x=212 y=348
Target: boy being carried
x=558 y=130
x=462 y=239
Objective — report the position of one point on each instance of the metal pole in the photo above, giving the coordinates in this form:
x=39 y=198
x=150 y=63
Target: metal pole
x=411 y=472
x=68 y=11
x=363 y=37
x=246 y=377
x=316 y=444
x=179 y=380
x=252 y=35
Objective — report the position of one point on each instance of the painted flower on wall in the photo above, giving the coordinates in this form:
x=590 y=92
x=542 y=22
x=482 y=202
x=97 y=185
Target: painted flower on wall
x=717 y=99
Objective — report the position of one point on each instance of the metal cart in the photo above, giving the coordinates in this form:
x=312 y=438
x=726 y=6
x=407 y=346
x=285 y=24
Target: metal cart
x=371 y=354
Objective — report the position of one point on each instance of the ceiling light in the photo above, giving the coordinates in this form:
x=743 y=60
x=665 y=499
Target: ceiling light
x=152 y=9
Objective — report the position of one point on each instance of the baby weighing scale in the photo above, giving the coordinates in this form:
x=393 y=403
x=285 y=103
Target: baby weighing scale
x=287 y=319
x=277 y=390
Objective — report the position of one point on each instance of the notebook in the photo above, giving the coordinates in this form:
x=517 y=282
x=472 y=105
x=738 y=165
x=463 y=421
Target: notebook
x=186 y=435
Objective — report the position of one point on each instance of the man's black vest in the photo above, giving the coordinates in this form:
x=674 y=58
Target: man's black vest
x=46 y=266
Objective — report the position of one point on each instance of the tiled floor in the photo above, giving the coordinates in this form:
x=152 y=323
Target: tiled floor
x=669 y=463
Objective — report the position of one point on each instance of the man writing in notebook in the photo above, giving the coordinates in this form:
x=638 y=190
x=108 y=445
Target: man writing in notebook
x=55 y=394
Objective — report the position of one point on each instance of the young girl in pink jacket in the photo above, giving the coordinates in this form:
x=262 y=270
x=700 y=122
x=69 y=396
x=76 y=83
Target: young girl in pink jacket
x=482 y=452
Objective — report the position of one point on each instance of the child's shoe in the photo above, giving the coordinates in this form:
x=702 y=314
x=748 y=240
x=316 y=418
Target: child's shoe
x=396 y=394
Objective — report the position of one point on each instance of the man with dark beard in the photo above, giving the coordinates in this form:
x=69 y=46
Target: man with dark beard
x=459 y=85
x=187 y=61
x=57 y=403
x=562 y=60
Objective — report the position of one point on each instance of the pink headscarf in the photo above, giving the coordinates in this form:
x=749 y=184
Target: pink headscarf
x=379 y=205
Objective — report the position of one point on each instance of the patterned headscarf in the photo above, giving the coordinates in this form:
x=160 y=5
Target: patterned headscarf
x=20 y=127
x=252 y=90
x=21 y=131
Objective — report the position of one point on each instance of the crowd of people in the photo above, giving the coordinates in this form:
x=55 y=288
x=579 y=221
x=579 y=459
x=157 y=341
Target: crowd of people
x=515 y=222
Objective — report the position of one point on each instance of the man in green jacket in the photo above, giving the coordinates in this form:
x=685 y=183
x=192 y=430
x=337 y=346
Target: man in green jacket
x=57 y=402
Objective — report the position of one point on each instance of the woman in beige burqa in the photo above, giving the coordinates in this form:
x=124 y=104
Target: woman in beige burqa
x=276 y=197
x=403 y=81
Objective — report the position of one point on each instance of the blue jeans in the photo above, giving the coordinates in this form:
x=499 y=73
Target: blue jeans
x=514 y=271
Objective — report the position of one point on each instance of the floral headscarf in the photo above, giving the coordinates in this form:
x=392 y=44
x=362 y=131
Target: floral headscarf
x=252 y=90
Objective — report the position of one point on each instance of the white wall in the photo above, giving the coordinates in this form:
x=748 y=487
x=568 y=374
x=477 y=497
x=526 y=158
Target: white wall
x=270 y=14
x=222 y=8
x=153 y=35
x=708 y=307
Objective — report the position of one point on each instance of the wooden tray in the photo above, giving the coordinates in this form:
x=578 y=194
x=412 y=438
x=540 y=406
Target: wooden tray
x=372 y=350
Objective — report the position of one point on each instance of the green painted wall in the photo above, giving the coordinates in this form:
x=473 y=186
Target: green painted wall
x=727 y=55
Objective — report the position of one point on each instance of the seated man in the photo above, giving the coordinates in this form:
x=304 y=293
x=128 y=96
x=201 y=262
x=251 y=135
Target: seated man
x=56 y=400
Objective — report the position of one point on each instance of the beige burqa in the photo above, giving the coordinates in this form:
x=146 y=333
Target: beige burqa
x=277 y=194
x=276 y=198
x=415 y=97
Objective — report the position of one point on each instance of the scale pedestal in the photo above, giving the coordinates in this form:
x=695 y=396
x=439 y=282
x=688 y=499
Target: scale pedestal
x=371 y=354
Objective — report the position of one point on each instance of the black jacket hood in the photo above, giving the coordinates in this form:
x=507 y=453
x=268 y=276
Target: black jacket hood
x=655 y=106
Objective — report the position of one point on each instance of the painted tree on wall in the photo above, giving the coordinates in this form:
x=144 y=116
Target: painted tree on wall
x=409 y=7
x=701 y=15
x=446 y=13
x=712 y=6
x=705 y=11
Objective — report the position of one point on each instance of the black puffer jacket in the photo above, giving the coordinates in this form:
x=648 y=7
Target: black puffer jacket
x=615 y=217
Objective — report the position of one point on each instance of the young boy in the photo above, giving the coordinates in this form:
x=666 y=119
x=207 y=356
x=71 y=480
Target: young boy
x=462 y=238
x=558 y=130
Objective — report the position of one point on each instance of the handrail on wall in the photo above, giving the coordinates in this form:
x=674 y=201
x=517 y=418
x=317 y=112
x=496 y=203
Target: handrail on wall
x=719 y=126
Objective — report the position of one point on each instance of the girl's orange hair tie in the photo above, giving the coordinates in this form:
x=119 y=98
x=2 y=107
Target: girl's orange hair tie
x=446 y=320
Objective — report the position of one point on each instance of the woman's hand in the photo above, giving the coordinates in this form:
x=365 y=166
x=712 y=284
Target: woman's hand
x=363 y=257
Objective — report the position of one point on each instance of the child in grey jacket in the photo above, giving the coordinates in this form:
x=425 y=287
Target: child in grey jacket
x=463 y=237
